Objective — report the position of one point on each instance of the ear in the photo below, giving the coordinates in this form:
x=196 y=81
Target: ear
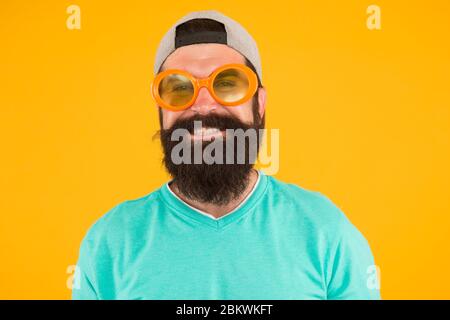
x=262 y=96
x=151 y=95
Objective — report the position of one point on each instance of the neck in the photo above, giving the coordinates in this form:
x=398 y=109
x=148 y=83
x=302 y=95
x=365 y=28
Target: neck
x=218 y=210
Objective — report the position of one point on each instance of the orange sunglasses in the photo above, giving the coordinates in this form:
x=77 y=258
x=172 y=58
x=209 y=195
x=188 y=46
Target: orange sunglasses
x=230 y=85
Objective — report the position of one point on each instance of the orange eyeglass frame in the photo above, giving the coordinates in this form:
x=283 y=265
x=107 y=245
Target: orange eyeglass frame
x=205 y=82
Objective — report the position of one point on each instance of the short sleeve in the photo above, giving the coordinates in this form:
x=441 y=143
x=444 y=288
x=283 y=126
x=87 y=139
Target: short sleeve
x=83 y=283
x=350 y=272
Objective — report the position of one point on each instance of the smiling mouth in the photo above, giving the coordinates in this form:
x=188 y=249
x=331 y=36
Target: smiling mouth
x=207 y=134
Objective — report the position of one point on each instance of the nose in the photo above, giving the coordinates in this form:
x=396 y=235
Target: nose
x=204 y=103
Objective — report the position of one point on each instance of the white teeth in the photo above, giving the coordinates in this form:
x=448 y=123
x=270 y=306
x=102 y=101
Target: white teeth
x=197 y=132
x=206 y=131
x=211 y=131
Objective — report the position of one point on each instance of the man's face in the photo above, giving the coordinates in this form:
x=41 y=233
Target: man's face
x=216 y=183
x=201 y=60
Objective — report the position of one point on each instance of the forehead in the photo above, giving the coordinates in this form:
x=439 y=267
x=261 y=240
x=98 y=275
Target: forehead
x=202 y=59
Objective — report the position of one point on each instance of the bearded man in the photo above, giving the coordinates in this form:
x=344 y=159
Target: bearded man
x=220 y=229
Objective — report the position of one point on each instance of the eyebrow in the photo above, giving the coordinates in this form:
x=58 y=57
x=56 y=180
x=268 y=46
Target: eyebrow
x=229 y=72
x=172 y=79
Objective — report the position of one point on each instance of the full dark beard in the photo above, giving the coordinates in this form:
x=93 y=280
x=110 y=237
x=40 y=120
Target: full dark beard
x=216 y=183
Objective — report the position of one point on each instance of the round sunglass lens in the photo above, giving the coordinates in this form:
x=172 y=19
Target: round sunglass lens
x=231 y=85
x=176 y=90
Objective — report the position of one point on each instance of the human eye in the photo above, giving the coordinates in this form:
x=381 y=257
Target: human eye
x=223 y=83
x=180 y=87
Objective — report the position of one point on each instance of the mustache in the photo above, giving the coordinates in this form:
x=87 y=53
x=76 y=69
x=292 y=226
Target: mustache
x=221 y=122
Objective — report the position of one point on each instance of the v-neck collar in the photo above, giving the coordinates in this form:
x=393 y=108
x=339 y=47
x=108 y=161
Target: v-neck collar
x=181 y=207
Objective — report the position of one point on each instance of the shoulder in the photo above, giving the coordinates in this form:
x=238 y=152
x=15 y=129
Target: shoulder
x=320 y=220
x=113 y=227
x=312 y=208
x=310 y=204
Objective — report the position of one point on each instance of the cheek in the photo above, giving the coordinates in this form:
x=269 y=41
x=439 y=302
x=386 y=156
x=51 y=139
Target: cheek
x=169 y=118
x=243 y=112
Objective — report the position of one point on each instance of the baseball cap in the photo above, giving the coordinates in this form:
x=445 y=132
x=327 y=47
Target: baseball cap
x=229 y=32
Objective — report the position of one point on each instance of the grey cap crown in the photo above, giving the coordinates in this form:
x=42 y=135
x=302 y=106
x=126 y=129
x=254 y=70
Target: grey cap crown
x=237 y=38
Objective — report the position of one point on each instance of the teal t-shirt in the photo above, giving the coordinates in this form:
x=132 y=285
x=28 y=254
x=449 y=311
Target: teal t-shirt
x=283 y=242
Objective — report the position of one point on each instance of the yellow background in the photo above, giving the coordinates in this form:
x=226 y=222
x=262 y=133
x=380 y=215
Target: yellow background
x=363 y=118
